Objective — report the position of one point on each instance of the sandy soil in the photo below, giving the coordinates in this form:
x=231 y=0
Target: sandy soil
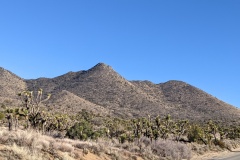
x=215 y=155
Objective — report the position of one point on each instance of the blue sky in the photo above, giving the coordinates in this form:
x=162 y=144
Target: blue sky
x=196 y=41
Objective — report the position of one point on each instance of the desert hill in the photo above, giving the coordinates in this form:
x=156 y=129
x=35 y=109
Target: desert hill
x=102 y=90
x=10 y=86
x=193 y=101
x=190 y=102
x=103 y=86
x=65 y=101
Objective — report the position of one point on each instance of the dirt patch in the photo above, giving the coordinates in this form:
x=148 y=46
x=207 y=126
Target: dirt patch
x=211 y=154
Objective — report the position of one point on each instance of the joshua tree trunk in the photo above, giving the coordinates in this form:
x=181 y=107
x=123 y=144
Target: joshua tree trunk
x=10 y=122
x=16 y=123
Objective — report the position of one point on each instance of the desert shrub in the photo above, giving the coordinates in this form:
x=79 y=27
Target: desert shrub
x=97 y=121
x=82 y=145
x=233 y=133
x=4 y=136
x=146 y=141
x=21 y=152
x=25 y=138
x=2 y=116
x=76 y=155
x=196 y=134
x=64 y=147
x=122 y=138
x=96 y=134
x=116 y=156
x=220 y=143
x=81 y=130
x=171 y=149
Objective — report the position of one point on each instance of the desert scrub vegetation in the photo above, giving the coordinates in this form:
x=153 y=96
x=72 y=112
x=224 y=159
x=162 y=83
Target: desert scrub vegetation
x=32 y=145
x=152 y=137
x=146 y=137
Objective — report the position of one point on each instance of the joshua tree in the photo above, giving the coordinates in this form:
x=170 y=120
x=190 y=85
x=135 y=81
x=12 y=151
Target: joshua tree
x=9 y=117
x=180 y=128
x=165 y=128
x=212 y=129
x=197 y=134
x=32 y=106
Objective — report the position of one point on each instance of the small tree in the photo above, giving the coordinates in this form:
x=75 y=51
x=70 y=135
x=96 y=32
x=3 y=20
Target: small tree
x=9 y=117
x=166 y=127
x=196 y=134
x=180 y=129
x=32 y=103
x=81 y=130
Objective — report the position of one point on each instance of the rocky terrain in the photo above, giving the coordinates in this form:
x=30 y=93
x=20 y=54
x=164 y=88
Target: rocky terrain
x=102 y=90
x=10 y=86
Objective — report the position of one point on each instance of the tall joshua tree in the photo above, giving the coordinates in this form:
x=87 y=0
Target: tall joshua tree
x=31 y=103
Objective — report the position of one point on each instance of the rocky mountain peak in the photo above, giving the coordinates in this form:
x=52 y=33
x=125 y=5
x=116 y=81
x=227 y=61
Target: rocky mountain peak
x=101 y=67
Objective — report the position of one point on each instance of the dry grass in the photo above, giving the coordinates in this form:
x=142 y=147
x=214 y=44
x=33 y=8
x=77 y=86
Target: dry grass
x=30 y=145
x=171 y=149
x=64 y=147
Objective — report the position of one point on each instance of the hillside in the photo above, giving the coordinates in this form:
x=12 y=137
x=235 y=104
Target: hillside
x=65 y=101
x=101 y=85
x=197 y=104
x=10 y=86
x=102 y=90
x=190 y=102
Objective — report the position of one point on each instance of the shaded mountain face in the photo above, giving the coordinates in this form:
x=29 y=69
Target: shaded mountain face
x=102 y=90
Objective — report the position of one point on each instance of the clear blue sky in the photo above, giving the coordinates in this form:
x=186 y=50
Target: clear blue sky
x=196 y=41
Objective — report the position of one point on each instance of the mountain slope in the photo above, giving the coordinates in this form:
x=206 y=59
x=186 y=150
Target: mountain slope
x=190 y=102
x=10 y=86
x=197 y=104
x=68 y=102
x=102 y=90
x=103 y=86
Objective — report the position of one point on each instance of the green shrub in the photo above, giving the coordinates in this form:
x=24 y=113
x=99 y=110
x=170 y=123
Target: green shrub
x=81 y=130
x=2 y=116
x=196 y=134
x=122 y=138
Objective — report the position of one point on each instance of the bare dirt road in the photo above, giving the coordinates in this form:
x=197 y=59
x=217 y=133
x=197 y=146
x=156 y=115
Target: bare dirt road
x=231 y=156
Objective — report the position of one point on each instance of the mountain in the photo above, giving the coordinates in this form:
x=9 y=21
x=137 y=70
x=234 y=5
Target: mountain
x=68 y=102
x=103 y=86
x=102 y=90
x=10 y=86
x=190 y=102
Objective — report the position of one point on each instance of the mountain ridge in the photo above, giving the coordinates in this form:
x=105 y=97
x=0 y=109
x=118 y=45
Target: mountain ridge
x=103 y=89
